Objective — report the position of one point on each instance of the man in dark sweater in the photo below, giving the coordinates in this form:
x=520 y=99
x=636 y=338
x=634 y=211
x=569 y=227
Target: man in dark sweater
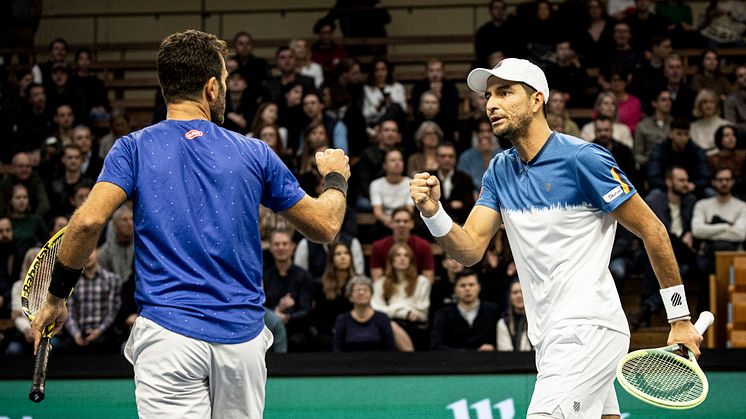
x=469 y=324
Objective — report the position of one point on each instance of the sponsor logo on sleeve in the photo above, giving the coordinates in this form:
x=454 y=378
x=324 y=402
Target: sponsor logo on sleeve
x=618 y=178
x=192 y=134
x=613 y=194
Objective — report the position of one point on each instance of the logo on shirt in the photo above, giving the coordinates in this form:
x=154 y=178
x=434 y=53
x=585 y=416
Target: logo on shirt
x=618 y=178
x=192 y=134
x=613 y=194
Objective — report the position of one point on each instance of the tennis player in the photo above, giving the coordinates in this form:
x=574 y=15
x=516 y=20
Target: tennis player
x=560 y=199
x=198 y=346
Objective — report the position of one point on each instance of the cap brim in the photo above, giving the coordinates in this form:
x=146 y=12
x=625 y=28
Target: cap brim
x=477 y=79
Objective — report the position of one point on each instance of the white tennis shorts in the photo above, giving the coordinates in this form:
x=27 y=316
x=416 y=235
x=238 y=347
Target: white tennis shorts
x=576 y=368
x=181 y=377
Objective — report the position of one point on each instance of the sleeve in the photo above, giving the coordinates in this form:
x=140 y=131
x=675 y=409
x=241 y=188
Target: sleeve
x=377 y=257
x=300 y=258
x=398 y=95
x=488 y=192
x=702 y=179
x=281 y=188
x=119 y=166
x=504 y=343
x=428 y=260
x=377 y=302
x=600 y=179
x=358 y=257
x=375 y=193
x=700 y=228
x=422 y=297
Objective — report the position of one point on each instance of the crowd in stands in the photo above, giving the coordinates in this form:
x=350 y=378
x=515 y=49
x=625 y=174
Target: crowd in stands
x=384 y=285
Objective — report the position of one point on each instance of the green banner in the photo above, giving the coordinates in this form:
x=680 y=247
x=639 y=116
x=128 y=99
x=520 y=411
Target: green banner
x=446 y=397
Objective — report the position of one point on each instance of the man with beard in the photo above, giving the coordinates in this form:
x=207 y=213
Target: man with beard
x=560 y=199
x=197 y=188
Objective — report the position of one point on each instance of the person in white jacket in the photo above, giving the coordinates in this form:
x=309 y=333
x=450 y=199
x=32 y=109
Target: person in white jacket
x=512 y=328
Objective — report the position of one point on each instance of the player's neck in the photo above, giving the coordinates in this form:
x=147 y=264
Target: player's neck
x=537 y=135
x=188 y=110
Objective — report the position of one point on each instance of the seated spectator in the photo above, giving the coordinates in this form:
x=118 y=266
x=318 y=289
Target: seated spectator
x=607 y=104
x=512 y=328
x=313 y=109
x=567 y=74
x=734 y=109
x=341 y=104
x=719 y=222
x=254 y=69
x=467 y=324
x=120 y=126
x=10 y=263
x=621 y=153
x=21 y=171
x=621 y=54
x=36 y=119
x=678 y=15
x=726 y=139
x=270 y=221
x=596 y=38
x=430 y=110
x=92 y=310
x=557 y=106
x=308 y=177
x=629 y=106
x=303 y=62
x=279 y=334
x=653 y=129
x=91 y=163
x=313 y=256
x=444 y=89
x=403 y=224
x=494 y=35
x=679 y=150
x=404 y=296
x=23 y=341
x=427 y=138
x=325 y=50
x=117 y=254
x=648 y=78
x=240 y=106
x=276 y=86
x=64 y=121
x=60 y=92
x=363 y=328
x=442 y=292
x=28 y=228
x=707 y=112
x=370 y=164
x=469 y=125
x=390 y=191
x=457 y=195
x=475 y=161
x=682 y=96
x=497 y=270
x=90 y=101
x=267 y=114
x=62 y=188
x=288 y=290
x=329 y=299
x=708 y=76
x=80 y=194
x=644 y=23
x=622 y=261
x=271 y=135
x=383 y=97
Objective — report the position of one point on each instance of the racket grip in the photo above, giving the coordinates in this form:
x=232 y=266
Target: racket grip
x=704 y=321
x=36 y=394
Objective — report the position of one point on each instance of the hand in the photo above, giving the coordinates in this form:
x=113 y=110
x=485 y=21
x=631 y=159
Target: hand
x=413 y=317
x=80 y=340
x=92 y=334
x=54 y=311
x=333 y=160
x=683 y=332
x=286 y=302
x=486 y=348
x=688 y=240
x=510 y=270
x=425 y=192
x=492 y=259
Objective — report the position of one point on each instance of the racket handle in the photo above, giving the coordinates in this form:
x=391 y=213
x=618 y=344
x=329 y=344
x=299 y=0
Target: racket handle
x=704 y=321
x=36 y=394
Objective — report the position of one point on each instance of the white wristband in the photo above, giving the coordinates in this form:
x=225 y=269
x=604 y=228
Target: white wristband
x=439 y=224
x=674 y=299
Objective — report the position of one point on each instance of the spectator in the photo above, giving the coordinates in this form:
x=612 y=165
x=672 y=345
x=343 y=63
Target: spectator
x=707 y=112
x=268 y=114
x=285 y=62
x=60 y=92
x=653 y=129
x=383 y=97
x=644 y=24
x=317 y=140
x=512 y=328
x=541 y=30
x=566 y=73
x=674 y=207
x=606 y=104
x=253 y=68
x=457 y=191
x=303 y=63
x=718 y=222
x=10 y=263
x=430 y=110
x=734 y=108
x=621 y=153
x=341 y=105
x=271 y=135
x=336 y=129
x=329 y=299
x=403 y=224
x=708 y=75
x=370 y=165
x=557 y=105
x=497 y=270
x=90 y=100
x=28 y=227
x=597 y=37
x=92 y=310
x=119 y=127
x=728 y=156
x=58 y=221
x=118 y=251
x=682 y=96
x=21 y=171
x=648 y=78
x=475 y=160
x=629 y=106
x=494 y=35
x=404 y=296
x=64 y=121
x=240 y=106
x=288 y=290
x=313 y=256
x=325 y=50
x=678 y=15
x=291 y=115
x=57 y=55
x=390 y=191
x=275 y=325
x=36 y=119
x=363 y=328
x=469 y=125
x=622 y=260
x=679 y=150
x=442 y=292
x=61 y=188
x=469 y=323
x=91 y=163
x=427 y=138
x=622 y=54
x=23 y=343
x=444 y=89
x=80 y=194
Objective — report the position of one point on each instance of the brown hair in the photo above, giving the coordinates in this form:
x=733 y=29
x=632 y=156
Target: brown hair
x=331 y=283
x=390 y=278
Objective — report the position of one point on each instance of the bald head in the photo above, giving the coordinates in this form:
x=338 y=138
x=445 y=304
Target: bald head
x=22 y=166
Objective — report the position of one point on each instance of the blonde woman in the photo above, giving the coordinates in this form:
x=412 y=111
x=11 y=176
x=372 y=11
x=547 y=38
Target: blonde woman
x=606 y=104
x=707 y=111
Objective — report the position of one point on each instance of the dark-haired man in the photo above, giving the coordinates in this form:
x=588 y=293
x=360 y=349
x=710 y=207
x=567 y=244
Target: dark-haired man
x=253 y=69
x=197 y=189
x=276 y=87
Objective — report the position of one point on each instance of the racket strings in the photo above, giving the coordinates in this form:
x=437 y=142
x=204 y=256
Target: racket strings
x=662 y=376
x=43 y=277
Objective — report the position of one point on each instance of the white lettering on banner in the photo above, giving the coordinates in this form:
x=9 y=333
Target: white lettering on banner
x=483 y=409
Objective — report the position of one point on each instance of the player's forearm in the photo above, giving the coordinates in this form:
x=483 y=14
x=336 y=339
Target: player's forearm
x=662 y=259
x=80 y=239
x=329 y=211
x=461 y=246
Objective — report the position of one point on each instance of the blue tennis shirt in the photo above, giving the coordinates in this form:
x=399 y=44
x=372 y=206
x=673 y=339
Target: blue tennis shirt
x=196 y=190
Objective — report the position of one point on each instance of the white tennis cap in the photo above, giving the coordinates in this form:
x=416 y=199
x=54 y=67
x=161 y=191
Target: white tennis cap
x=511 y=69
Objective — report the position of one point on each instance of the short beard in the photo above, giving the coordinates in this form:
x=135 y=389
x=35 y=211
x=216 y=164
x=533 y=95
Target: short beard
x=217 y=108
x=514 y=132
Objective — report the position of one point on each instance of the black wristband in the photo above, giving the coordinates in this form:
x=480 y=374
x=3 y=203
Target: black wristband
x=63 y=280
x=335 y=180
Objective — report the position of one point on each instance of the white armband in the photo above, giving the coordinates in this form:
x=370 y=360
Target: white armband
x=674 y=299
x=440 y=223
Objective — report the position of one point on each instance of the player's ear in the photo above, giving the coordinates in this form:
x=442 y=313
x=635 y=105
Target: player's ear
x=211 y=89
x=538 y=102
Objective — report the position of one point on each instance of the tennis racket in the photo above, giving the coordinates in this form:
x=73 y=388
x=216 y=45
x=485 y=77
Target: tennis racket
x=33 y=295
x=667 y=377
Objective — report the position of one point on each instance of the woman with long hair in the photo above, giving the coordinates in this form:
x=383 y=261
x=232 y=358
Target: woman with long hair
x=512 y=328
x=329 y=298
x=708 y=75
x=707 y=111
x=427 y=138
x=606 y=104
x=383 y=96
x=405 y=297
x=268 y=114
x=557 y=105
x=28 y=228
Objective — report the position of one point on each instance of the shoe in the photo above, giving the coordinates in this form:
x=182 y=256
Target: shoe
x=640 y=318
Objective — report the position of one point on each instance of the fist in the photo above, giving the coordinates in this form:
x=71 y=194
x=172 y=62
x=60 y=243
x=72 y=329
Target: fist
x=333 y=160
x=425 y=192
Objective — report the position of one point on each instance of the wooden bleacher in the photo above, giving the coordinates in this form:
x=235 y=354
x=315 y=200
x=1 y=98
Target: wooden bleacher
x=736 y=326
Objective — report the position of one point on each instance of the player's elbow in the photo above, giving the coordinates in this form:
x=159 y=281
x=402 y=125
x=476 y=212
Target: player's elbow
x=88 y=223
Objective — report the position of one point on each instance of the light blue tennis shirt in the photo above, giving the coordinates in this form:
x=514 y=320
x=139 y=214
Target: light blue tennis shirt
x=196 y=190
x=556 y=213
